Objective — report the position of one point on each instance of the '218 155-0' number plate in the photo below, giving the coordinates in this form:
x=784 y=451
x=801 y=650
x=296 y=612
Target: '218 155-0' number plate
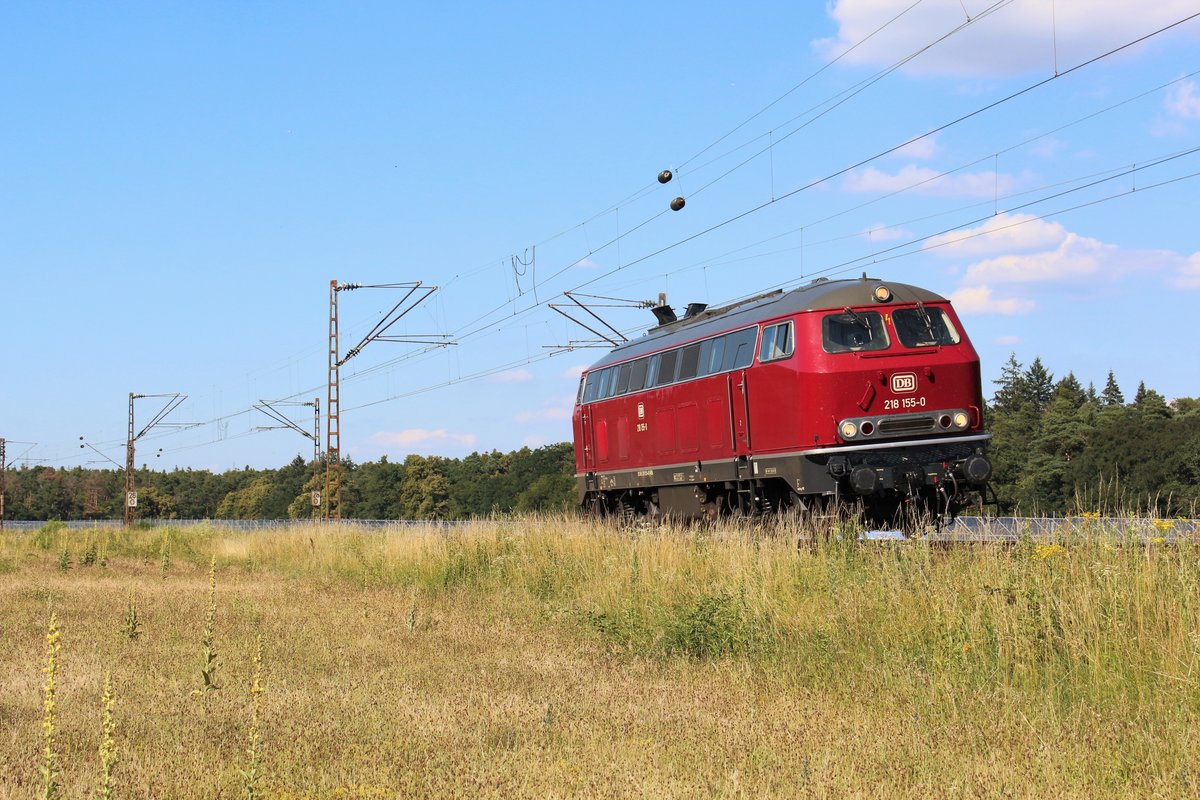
x=903 y=402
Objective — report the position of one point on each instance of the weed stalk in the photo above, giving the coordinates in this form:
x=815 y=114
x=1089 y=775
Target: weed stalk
x=51 y=769
x=133 y=624
x=208 y=670
x=108 y=742
x=252 y=774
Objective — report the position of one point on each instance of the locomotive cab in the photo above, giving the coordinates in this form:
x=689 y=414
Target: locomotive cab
x=896 y=384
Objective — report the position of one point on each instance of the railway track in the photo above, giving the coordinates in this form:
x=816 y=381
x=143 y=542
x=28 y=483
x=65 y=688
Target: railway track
x=1000 y=530
x=1009 y=530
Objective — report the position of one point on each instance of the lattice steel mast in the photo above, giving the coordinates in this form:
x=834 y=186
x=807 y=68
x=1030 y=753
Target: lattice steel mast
x=415 y=292
x=173 y=403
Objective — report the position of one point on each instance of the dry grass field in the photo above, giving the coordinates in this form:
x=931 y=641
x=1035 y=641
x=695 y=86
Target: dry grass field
x=555 y=658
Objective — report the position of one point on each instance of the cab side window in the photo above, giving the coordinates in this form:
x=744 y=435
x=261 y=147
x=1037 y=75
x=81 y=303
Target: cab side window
x=776 y=342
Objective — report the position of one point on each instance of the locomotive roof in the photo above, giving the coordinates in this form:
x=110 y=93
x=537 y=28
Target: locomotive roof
x=818 y=295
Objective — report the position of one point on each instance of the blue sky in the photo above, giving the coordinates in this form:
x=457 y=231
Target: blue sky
x=182 y=181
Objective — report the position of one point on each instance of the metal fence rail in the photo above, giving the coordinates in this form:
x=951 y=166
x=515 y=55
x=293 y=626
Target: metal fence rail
x=236 y=524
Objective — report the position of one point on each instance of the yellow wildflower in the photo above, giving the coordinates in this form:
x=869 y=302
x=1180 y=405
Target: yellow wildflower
x=1045 y=551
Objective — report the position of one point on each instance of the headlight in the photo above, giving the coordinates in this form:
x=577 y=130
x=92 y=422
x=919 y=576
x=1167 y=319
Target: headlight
x=960 y=419
x=849 y=429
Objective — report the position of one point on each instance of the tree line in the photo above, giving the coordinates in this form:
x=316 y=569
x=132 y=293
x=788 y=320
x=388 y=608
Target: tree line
x=420 y=487
x=1061 y=448
x=1058 y=448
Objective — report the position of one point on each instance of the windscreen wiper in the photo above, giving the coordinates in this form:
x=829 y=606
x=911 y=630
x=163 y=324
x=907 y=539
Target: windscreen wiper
x=858 y=318
x=928 y=320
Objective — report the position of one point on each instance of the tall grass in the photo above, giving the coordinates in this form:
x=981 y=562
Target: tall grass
x=1051 y=665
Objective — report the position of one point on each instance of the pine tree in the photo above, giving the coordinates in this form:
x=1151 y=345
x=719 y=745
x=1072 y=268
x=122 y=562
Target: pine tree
x=1111 y=396
x=1040 y=383
x=1013 y=390
x=1070 y=389
x=1066 y=425
x=1150 y=404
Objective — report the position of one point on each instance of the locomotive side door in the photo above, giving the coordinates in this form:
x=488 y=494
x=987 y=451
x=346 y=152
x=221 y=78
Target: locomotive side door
x=587 y=436
x=739 y=417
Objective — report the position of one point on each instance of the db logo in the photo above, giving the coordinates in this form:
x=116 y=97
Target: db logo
x=903 y=382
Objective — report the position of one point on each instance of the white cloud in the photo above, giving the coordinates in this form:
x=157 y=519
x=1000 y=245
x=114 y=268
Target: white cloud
x=574 y=372
x=1184 y=101
x=980 y=300
x=412 y=437
x=1038 y=253
x=549 y=414
x=1008 y=341
x=882 y=233
x=1002 y=233
x=923 y=180
x=512 y=376
x=1189 y=274
x=1048 y=147
x=1019 y=38
x=554 y=409
x=534 y=442
x=923 y=149
x=587 y=263
x=1076 y=256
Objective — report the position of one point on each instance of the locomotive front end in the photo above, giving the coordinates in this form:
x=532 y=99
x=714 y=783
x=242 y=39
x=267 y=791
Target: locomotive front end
x=898 y=408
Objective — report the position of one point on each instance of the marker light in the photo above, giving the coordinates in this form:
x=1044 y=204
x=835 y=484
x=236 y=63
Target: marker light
x=960 y=419
x=849 y=429
x=882 y=294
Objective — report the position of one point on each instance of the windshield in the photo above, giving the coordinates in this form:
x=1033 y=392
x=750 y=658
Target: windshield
x=924 y=327
x=853 y=332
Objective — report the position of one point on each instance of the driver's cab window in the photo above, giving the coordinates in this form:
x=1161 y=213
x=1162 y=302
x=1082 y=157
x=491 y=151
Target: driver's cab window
x=924 y=327
x=854 y=332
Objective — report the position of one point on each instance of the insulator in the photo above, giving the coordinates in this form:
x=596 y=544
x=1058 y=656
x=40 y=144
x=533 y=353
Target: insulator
x=665 y=176
x=678 y=203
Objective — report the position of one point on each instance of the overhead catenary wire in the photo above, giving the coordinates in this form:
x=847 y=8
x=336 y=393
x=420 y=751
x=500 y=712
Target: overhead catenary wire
x=876 y=257
x=851 y=264
x=701 y=233
x=622 y=234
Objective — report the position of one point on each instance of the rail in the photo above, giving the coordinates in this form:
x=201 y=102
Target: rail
x=962 y=530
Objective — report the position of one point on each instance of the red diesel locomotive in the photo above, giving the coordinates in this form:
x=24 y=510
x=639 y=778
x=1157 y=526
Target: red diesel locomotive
x=859 y=391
